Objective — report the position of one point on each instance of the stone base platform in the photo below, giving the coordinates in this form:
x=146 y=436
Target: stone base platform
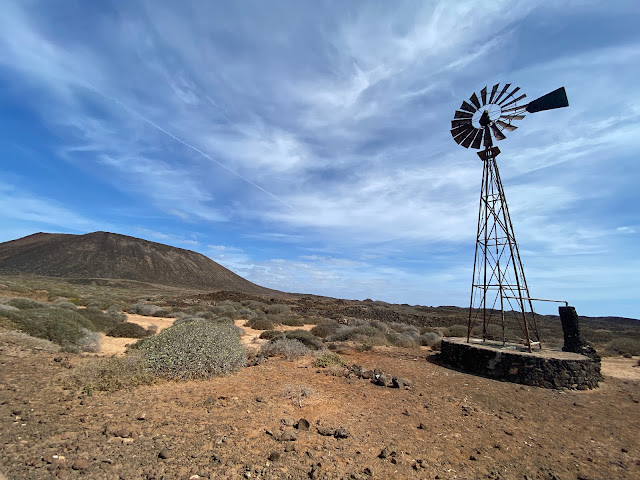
x=513 y=363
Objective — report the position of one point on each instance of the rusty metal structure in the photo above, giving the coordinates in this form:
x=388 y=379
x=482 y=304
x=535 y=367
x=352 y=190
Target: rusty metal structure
x=499 y=288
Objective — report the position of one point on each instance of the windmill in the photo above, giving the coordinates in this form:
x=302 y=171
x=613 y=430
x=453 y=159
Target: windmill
x=499 y=287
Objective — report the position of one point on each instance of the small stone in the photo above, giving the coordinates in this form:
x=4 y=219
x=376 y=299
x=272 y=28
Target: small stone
x=473 y=458
x=406 y=413
x=384 y=453
x=399 y=382
x=269 y=432
x=195 y=477
x=288 y=421
x=290 y=447
x=303 y=424
x=368 y=471
x=142 y=416
x=274 y=456
x=326 y=431
x=164 y=454
x=288 y=435
x=341 y=433
x=422 y=426
x=122 y=433
x=80 y=464
x=260 y=399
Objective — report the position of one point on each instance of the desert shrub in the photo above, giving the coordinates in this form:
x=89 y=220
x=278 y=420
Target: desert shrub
x=148 y=310
x=260 y=323
x=100 y=320
x=67 y=305
x=626 y=347
x=128 y=330
x=25 y=340
x=429 y=339
x=223 y=319
x=8 y=308
x=247 y=313
x=326 y=329
x=207 y=314
x=253 y=304
x=26 y=303
x=330 y=359
x=305 y=337
x=401 y=340
x=198 y=349
x=361 y=333
x=598 y=336
x=292 y=321
x=112 y=374
x=65 y=327
x=270 y=334
x=218 y=309
x=457 y=331
x=277 y=308
x=382 y=326
x=289 y=348
x=185 y=319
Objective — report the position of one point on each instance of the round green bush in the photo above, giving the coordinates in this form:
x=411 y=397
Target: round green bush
x=260 y=323
x=269 y=334
x=198 y=349
x=457 y=331
x=306 y=338
x=325 y=329
x=128 y=330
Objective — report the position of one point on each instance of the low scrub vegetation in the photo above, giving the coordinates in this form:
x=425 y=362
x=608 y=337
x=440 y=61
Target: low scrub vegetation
x=111 y=374
x=330 y=360
x=289 y=348
x=626 y=347
x=260 y=323
x=129 y=330
x=198 y=349
x=457 y=331
x=148 y=310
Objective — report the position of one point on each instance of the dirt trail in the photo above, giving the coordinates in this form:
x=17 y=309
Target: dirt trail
x=623 y=368
x=117 y=346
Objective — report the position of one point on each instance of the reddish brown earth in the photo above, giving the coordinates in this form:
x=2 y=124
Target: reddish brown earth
x=228 y=427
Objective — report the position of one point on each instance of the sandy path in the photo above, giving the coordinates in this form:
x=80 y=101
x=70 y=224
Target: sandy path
x=252 y=337
x=117 y=346
x=623 y=368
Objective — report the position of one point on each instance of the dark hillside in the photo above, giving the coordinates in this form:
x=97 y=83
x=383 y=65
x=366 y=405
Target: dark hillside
x=115 y=256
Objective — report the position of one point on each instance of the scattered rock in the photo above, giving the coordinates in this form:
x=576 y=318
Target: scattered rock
x=288 y=435
x=290 y=447
x=381 y=379
x=341 y=433
x=422 y=426
x=399 y=382
x=274 y=456
x=406 y=413
x=122 y=433
x=303 y=424
x=164 y=454
x=384 y=453
x=80 y=464
x=288 y=421
x=260 y=399
x=327 y=431
x=142 y=416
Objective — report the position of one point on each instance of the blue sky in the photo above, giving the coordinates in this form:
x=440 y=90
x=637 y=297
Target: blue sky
x=306 y=146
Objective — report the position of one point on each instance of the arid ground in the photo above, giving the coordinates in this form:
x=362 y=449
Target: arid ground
x=448 y=425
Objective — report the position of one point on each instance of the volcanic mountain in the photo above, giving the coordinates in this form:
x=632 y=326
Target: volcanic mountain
x=115 y=256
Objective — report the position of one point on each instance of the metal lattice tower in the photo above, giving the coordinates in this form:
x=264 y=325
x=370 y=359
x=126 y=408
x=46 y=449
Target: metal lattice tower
x=499 y=288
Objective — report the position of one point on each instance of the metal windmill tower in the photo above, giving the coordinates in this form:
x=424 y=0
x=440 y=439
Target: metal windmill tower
x=499 y=288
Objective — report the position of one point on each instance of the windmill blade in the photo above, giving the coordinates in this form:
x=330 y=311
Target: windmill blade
x=497 y=133
x=493 y=92
x=506 y=126
x=457 y=130
x=556 y=99
x=488 y=142
x=515 y=100
x=468 y=107
x=512 y=117
x=477 y=141
x=462 y=114
x=506 y=87
x=463 y=121
x=468 y=139
x=463 y=133
x=483 y=95
x=509 y=96
x=474 y=100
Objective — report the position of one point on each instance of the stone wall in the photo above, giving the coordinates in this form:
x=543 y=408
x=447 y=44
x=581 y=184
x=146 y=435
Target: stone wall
x=565 y=370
